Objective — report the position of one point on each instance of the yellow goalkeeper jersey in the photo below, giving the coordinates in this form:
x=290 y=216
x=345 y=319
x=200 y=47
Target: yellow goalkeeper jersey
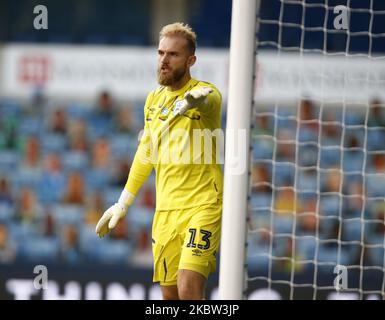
x=183 y=149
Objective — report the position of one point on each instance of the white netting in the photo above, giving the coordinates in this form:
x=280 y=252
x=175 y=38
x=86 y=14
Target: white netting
x=318 y=157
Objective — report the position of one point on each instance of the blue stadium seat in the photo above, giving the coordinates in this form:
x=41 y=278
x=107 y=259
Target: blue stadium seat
x=352 y=229
x=353 y=161
x=31 y=126
x=257 y=253
x=10 y=107
x=140 y=217
x=330 y=205
x=306 y=182
x=20 y=232
x=330 y=156
x=123 y=145
x=112 y=252
x=53 y=143
x=9 y=161
x=283 y=224
x=307 y=155
x=260 y=200
x=284 y=173
x=51 y=188
x=39 y=249
x=111 y=195
x=97 y=179
x=6 y=212
x=88 y=239
x=375 y=139
x=68 y=214
x=306 y=246
x=262 y=148
x=75 y=161
x=26 y=178
x=78 y=112
x=375 y=184
x=307 y=135
x=353 y=118
x=377 y=256
x=99 y=126
x=330 y=255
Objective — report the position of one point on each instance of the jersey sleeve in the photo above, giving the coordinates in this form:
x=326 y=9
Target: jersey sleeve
x=142 y=165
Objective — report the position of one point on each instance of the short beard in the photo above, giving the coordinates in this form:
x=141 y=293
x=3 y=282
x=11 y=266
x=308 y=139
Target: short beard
x=169 y=80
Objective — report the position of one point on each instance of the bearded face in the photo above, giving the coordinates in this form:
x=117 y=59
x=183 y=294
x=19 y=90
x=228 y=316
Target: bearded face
x=174 y=60
x=168 y=76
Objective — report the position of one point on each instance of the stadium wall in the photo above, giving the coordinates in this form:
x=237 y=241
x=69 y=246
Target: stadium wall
x=80 y=72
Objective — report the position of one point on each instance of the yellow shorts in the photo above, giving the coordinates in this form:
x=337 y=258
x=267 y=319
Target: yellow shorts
x=185 y=239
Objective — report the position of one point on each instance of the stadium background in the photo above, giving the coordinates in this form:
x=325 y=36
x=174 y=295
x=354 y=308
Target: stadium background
x=66 y=147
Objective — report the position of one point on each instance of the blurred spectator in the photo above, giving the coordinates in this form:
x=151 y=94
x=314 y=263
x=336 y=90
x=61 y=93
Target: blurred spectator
x=332 y=233
x=376 y=114
x=260 y=179
x=58 y=122
x=148 y=197
x=32 y=160
x=48 y=227
x=333 y=181
x=52 y=181
x=354 y=205
x=379 y=163
x=78 y=140
x=143 y=254
x=29 y=210
x=101 y=153
x=262 y=126
x=286 y=146
x=120 y=173
x=125 y=122
x=331 y=130
x=70 y=249
x=105 y=106
x=308 y=220
x=5 y=192
x=286 y=202
x=75 y=190
x=94 y=209
x=121 y=231
x=375 y=179
x=7 y=250
x=292 y=258
x=307 y=117
x=9 y=138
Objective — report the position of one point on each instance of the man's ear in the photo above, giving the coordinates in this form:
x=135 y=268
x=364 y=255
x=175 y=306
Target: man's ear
x=191 y=60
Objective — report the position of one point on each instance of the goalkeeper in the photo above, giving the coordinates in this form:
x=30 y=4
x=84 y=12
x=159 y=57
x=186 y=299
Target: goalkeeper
x=187 y=221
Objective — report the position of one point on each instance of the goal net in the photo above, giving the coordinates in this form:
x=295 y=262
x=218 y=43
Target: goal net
x=315 y=211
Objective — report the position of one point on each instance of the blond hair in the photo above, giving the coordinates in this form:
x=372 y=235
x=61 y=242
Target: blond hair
x=180 y=29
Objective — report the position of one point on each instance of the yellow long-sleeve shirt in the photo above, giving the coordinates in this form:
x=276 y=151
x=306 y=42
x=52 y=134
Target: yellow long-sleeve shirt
x=183 y=149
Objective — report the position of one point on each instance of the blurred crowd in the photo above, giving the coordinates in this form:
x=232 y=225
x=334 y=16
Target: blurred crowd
x=61 y=167
x=318 y=187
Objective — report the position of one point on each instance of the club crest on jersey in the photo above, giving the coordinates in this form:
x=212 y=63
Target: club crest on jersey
x=164 y=112
x=178 y=105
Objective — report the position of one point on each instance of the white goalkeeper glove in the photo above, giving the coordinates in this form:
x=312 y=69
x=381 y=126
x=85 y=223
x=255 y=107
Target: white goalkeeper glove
x=112 y=215
x=193 y=99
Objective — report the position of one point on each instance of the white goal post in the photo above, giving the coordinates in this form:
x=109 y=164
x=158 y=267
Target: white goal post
x=240 y=97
